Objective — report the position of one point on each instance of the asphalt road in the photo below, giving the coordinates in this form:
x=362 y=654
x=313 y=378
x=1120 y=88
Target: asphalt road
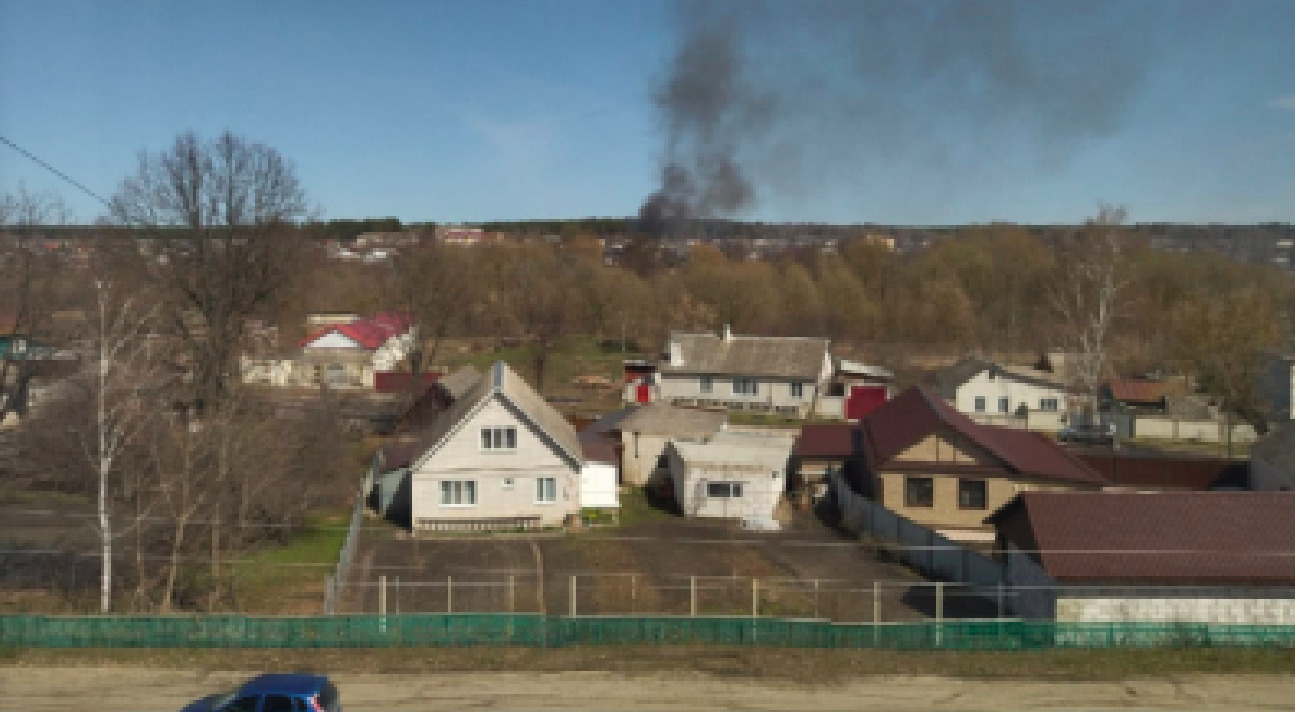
x=116 y=689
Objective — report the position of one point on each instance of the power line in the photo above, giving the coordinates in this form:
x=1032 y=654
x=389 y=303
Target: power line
x=35 y=159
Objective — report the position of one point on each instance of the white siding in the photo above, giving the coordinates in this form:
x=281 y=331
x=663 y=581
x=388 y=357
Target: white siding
x=461 y=458
x=1205 y=605
x=334 y=340
x=598 y=488
x=1016 y=392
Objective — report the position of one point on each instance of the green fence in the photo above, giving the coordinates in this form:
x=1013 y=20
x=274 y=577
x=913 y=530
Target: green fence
x=533 y=630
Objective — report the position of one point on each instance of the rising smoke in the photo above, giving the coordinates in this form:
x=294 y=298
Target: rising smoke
x=788 y=98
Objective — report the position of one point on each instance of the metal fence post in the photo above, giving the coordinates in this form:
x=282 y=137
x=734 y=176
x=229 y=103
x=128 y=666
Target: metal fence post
x=816 y=598
x=449 y=594
x=876 y=601
x=755 y=598
x=382 y=602
x=692 y=596
x=634 y=593
x=573 y=595
x=512 y=593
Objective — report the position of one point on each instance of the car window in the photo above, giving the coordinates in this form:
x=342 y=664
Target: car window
x=242 y=704
x=328 y=700
x=280 y=703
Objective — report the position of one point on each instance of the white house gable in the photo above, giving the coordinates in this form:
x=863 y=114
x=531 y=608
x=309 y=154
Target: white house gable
x=464 y=449
x=334 y=340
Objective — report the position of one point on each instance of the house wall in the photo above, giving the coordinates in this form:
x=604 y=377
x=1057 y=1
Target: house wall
x=461 y=458
x=639 y=456
x=598 y=487
x=1250 y=606
x=761 y=489
x=1017 y=392
x=770 y=392
x=1041 y=421
x=945 y=512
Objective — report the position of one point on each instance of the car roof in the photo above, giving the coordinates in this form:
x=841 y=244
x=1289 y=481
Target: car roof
x=284 y=684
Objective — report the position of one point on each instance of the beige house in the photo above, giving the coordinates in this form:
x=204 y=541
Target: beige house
x=500 y=457
x=778 y=374
x=647 y=430
x=926 y=461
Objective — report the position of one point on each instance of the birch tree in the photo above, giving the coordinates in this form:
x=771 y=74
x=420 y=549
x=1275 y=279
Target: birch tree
x=1086 y=297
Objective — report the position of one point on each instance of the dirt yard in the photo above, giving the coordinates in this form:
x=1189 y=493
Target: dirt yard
x=118 y=689
x=651 y=566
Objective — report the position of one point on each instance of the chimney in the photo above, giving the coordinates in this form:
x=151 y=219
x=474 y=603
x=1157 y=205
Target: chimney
x=727 y=334
x=675 y=351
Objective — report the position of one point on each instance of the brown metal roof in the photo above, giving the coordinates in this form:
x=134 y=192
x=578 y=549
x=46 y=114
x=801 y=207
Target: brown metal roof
x=919 y=412
x=1130 y=390
x=1180 y=473
x=1178 y=538
x=827 y=441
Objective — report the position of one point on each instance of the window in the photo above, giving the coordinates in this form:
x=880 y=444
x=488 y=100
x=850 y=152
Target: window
x=499 y=438
x=706 y=384
x=458 y=493
x=1049 y=404
x=919 y=492
x=508 y=483
x=971 y=494
x=744 y=387
x=279 y=703
x=1003 y=405
x=797 y=390
x=724 y=490
x=663 y=462
x=242 y=704
x=980 y=404
x=546 y=490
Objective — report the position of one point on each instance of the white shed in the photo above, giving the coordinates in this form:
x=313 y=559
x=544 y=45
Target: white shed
x=732 y=475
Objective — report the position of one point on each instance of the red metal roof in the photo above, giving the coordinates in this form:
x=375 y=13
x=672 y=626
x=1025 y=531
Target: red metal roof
x=369 y=333
x=828 y=441
x=1139 y=391
x=1178 y=473
x=1184 y=538
x=919 y=412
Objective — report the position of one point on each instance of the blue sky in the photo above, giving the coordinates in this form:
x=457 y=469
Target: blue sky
x=462 y=111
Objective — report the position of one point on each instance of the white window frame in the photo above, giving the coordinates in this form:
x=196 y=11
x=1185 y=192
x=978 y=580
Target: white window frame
x=1004 y=405
x=540 y=487
x=797 y=389
x=1050 y=405
x=706 y=384
x=740 y=387
x=979 y=404
x=456 y=489
x=734 y=490
x=495 y=438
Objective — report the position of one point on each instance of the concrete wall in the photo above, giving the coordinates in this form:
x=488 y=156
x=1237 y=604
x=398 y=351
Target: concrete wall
x=1206 y=431
x=506 y=481
x=1017 y=393
x=639 y=456
x=1037 y=420
x=1253 y=606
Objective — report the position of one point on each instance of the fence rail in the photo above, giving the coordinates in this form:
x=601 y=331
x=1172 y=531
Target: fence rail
x=533 y=630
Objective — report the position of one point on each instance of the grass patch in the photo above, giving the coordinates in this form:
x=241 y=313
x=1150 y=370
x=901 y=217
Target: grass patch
x=281 y=579
x=800 y=665
x=639 y=506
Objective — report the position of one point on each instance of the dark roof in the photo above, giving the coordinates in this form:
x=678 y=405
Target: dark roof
x=1187 y=538
x=967 y=367
x=919 y=412
x=284 y=683
x=1132 y=390
x=397 y=455
x=777 y=356
x=1194 y=474
x=830 y=441
x=598 y=447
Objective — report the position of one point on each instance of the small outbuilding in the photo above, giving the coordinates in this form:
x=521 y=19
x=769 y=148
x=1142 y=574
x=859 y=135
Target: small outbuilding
x=648 y=429
x=733 y=475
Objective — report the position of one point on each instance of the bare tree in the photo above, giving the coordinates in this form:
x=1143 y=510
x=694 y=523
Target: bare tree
x=433 y=286
x=221 y=247
x=1086 y=297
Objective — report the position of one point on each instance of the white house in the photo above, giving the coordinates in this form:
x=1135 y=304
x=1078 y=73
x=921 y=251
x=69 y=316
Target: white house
x=500 y=457
x=732 y=475
x=646 y=431
x=1013 y=396
x=764 y=373
x=342 y=356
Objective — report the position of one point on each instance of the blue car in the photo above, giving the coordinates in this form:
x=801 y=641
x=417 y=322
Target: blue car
x=275 y=693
